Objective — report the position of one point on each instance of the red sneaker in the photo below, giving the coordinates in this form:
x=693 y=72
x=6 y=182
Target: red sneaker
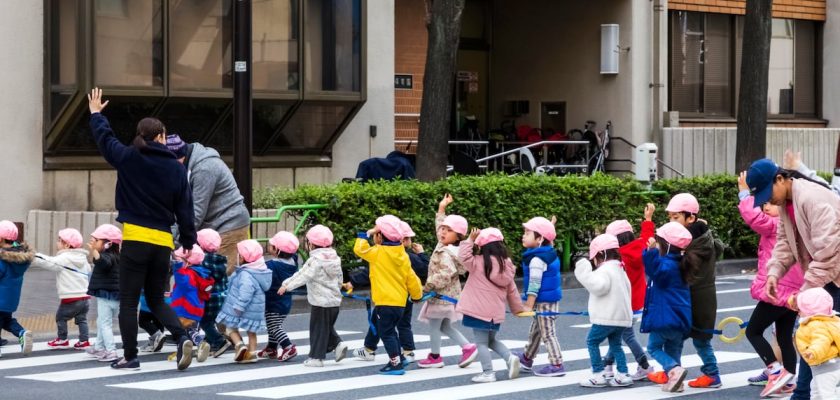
x=658 y=377
x=267 y=352
x=706 y=381
x=58 y=344
x=288 y=353
x=81 y=345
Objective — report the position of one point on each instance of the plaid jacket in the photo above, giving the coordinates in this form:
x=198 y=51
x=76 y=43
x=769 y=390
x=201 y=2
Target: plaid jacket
x=217 y=264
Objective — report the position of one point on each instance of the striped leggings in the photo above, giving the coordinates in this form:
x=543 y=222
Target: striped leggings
x=543 y=330
x=276 y=333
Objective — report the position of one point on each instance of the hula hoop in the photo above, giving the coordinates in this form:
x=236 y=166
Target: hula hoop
x=731 y=320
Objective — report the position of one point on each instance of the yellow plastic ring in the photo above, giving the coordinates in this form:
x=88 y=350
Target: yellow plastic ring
x=526 y=314
x=731 y=320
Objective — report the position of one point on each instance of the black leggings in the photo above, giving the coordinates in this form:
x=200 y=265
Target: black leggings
x=144 y=266
x=762 y=317
x=149 y=323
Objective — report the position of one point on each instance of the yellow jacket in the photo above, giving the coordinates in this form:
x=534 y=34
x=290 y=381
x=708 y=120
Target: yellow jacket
x=391 y=278
x=818 y=339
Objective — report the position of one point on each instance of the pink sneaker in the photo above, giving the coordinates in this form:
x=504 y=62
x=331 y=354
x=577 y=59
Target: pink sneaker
x=431 y=362
x=469 y=352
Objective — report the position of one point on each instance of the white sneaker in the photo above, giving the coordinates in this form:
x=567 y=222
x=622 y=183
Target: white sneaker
x=157 y=341
x=642 y=373
x=621 y=380
x=484 y=377
x=340 y=351
x=409 y=356
x=513 y=367
x=609 y=372
x=108 y=356
x=313 y=362
x=595 y=381
x=363 y=354
x=93 y=352
x=203 y=351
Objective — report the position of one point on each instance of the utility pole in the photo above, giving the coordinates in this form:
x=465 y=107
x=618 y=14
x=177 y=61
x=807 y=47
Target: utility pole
x=242 y=96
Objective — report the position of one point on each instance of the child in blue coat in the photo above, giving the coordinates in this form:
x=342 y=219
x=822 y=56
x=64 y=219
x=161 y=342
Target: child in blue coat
x=193 y=285
x=15 y=258
x=284 y=246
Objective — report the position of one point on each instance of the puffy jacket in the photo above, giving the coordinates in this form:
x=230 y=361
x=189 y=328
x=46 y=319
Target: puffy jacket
x=668 y=300
x=765 y=226
x=193 y=286
x=72 y=271
x=820 y=336
x=322 y=275
x=280 y=271
x=391 y=278
x=484 y=298
x=246 y=294
x=105 y=279
x=631 y=256
x=444 y=267
x=609 y=292
x=551 y=286
x=13 y=264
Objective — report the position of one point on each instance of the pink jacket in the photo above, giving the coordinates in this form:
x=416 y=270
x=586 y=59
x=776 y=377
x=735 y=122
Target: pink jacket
x=484 y=298
x=815 y=240
x=765 y=226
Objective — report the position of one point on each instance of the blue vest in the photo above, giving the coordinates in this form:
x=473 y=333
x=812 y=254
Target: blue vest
x=551 y=285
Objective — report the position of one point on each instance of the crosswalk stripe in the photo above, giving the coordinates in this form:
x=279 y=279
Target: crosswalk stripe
x=154 y=366
x=271 y=372
x=653 y=392
x=79 y=356
x=535 y=383
x=733 y=291
x=336 y=385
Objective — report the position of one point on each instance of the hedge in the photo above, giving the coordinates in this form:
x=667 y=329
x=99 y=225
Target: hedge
x=583 y=205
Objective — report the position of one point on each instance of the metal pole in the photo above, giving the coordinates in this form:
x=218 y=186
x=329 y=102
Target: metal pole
x=242 y=99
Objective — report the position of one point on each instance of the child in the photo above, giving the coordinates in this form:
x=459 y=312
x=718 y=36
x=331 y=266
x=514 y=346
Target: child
x=321 y=274
x=193 y=284
x=701 y=255
x=489 y=286
x=542 y=283
x=444 y=270
x=667 y=313
x=104 y=248
x=72 y=274
x=818 y=340
x=609 y=308
x=631 y=255
x=284 y=246
x=244 y=306
x=767 y=312
x=210 y=241
x=392 y=282
x=15 y=258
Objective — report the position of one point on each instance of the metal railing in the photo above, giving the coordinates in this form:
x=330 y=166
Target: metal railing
x=309 y=211
x=544 y=144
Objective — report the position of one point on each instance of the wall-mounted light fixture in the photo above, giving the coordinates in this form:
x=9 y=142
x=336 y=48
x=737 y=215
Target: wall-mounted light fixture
x=610 y=48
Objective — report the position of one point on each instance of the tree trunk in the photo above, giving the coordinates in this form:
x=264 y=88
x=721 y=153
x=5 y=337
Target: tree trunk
x=443 y=21
x=751 y=142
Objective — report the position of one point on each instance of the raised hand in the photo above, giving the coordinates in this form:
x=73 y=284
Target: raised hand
x=649 y=209
x=95 y=101
x=474 y=234
x=791 y=160
x=445 y=202
x=742 y=181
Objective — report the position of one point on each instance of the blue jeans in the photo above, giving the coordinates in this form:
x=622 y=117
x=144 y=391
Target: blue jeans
x=629 y=338
x=707 y=355
x=597 y=334
x=803 y=380
x=211 y=333
x=10 y=324
x=666 y=348
x=106 y=313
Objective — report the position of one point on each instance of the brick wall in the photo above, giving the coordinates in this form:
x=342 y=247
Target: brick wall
x=410 y=39
x=795 y=9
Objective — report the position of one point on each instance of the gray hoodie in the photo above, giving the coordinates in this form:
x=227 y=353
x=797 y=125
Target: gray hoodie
x=217 y=202
x=322 y=276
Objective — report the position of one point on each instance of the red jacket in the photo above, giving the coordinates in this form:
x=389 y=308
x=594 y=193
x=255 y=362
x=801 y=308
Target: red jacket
x=631 y=256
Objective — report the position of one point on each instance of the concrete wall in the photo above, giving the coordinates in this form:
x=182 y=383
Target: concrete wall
x=22 y=66
x=831 y=65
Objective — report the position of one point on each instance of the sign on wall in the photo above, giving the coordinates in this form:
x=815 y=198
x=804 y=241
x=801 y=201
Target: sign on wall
x=404 y=81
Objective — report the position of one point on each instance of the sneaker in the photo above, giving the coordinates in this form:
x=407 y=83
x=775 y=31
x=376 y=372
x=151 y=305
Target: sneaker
x=469 y=352
x=658 y=377
x=58 y=344
x=288 y=353
x=147 y=348
x=392 y=369
x=313 y=362
x=129 y=365
x=525 y=363
x=404 y=361
x=267 y=352
x=364 y=354
x=93 y=352
x=513 y=367
x=776 y=381
x=25 y=341
x=241 y=349
x=609 y=371
x=642 y=373
x=788 y=389
x=431 y=362
x=80 y=345
x=3 y=342
x=109 y=356
x=706 y=381
x=409 y=356
x=221 y=349
x=185 y=350
x=203 y=351
x=621 y=380
x=484 y=377
x=758 y=380
x=597 y=380
x=157 y=341
x=551 y=370
x=249 y=358
x=675 y=379
x=340 y=351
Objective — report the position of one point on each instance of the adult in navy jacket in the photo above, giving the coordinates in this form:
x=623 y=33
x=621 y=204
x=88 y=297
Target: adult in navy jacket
x=152 y=194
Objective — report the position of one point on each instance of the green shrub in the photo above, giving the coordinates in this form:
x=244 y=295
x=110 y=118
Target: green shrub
x=583 y=205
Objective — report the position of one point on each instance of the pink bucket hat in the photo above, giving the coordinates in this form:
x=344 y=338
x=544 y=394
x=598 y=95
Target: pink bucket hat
x=196 y=255
x=389 y=226
x=320 y=235
x=250 y=250
x=108 y=232
x=71 y=236
x=406 y=230
x=675 y=234
x=683 y=202
x=209 y=240
x=286 y=242
x=618 y=227
x=815 y=301
x=489 y=235
x=8 y=230
x=541 y=226
x=457 y=223
x=602 y=243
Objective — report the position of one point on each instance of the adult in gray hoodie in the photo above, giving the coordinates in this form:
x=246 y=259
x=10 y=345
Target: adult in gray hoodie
x=217 y=201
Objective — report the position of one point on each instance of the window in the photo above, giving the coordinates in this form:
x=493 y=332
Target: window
x=63 y=17
x=276 y=38
x=333 y=51
x=129 y=43
x=201 y=45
